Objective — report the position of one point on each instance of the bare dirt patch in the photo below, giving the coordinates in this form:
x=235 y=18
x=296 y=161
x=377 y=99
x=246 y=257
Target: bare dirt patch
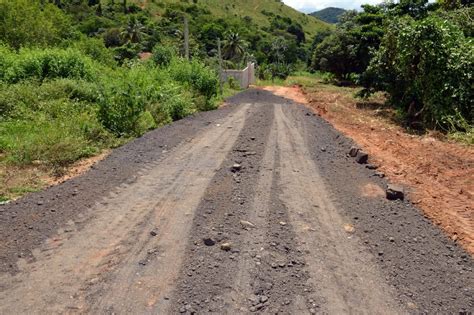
x=78 y=168
x=439 y=174
x=16 y=181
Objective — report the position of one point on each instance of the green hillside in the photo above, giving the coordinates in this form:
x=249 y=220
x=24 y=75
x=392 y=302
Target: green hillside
x=330 y=15
x=257 y=10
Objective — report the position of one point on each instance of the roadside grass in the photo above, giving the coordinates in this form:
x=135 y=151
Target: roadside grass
x=48 y=126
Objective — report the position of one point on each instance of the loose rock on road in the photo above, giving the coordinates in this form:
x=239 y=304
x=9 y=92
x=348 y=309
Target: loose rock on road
x=254 y=208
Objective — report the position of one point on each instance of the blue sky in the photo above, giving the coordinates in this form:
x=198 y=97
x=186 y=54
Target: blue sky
x=309 y=6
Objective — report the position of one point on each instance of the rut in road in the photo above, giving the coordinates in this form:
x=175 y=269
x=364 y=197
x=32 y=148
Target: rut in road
x=282 y=214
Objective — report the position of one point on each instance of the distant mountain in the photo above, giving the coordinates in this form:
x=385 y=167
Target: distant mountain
x=330 y=15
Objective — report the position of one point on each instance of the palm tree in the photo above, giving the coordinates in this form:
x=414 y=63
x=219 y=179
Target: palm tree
x=134 y=31
x=234 y=46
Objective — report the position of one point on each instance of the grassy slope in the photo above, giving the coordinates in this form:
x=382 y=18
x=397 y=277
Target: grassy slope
x=252 y=8
x=330 y=15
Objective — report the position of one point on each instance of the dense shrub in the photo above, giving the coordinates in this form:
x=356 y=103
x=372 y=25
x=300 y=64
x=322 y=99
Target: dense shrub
x=162 y=55
x=42 y=64
x=426 y=66
x=95 y=49
x=200 y=77
x=131 y=93
x=28 y=23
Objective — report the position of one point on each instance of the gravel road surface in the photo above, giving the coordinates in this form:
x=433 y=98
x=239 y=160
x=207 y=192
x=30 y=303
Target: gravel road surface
x=252 y=208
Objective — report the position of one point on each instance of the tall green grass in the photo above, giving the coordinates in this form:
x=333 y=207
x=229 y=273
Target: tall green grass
x=59 y=105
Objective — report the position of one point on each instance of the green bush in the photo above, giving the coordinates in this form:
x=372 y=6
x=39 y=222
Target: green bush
x=45 y=64
x=25 y=23
x=162 y=55
x=95 y=49
x=426 y=66
x=194 y=73
x=280 y=70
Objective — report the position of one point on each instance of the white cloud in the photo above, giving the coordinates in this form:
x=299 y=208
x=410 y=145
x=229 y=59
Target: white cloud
x=314 y=5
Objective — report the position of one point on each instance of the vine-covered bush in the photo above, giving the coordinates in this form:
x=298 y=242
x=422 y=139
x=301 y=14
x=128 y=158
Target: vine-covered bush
x=427 y=68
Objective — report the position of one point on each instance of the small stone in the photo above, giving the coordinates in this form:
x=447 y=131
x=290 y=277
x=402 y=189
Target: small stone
x=323 y=149
x=236 y=167
x=252 y=138
x=362 y=157
x=209 y=242
x=353 y=151
x=379 y=174
x=282 y=223
x=246 y=224
x=380 y=253
x=40 y=203
x=259 y=306
x=226 y=246
x=391 y=239
x=349 y=228
x=263 y=298
x=371 y=167
x=154 y=232
x=395 y=192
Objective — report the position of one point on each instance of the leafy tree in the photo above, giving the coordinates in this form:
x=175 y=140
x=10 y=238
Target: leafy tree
x=209 y=35
x=417 y=9
x=337 y=54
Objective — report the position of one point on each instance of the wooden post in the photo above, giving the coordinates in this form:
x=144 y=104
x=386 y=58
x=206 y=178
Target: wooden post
x=186 y=38
x=219 y=54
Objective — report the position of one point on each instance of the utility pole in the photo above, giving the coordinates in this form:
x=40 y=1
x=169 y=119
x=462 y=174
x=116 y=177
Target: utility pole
x=186 y=38
x=219 y=54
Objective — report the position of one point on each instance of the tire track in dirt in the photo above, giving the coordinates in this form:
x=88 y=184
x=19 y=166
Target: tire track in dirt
x=114 y=264
x=208 y=273
x=428 y=272
x=26 y=223
x=271 y=276
x=345 y=276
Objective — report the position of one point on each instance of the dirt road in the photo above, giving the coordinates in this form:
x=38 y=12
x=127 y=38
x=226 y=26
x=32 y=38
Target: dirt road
x=251 y=208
